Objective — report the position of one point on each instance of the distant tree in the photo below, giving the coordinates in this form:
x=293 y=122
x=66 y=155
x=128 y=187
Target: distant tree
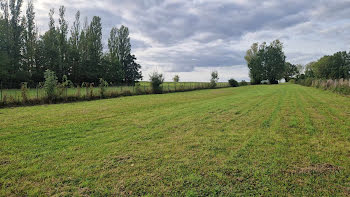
x=95 y=50
x=50 y=84
x=14 y=40
x=49 y=51
x=214 y=79
x=266 y=62
x=115 y=68
x=254 y=61
x=62 y=32
x=291 y=71
x=309 y=71
x=132 y=71
x=75 y=50
x=233 y=82
x=25 y=55
x=176 y=78
x=122 y=62
x=156 y=80
x=123 y=46
x=300 y=68
x=274 y=61
x=334 y=66
x=84 y=52
x=4 y=56
x=30 y=40
x=243 y=83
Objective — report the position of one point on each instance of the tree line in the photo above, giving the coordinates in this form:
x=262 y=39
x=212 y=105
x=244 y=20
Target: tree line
x=75 y=52
x=336 y=66
x=267 y=63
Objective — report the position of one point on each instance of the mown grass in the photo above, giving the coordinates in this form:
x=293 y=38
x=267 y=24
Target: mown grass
x=253 y=140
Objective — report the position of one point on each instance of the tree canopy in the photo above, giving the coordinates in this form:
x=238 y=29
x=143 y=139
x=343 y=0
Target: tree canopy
x=266 y=62
x=76 y=52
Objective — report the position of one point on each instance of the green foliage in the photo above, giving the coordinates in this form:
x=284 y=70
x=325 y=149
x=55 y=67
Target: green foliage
x=50 y=84
x=176 y=78
x=291 y=71
x=336 y=66
x=305 y=82
x=214 y=79
x=156 y=80
x=233 y=83
x=62 y=87
x=66 y=82
x=25 y=54
x=266 y=62
x=103 y=85
x=24 y=92
x=243 y=83
x=293 y=81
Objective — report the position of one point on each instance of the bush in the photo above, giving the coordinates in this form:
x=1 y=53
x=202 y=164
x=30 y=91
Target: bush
x=292 y=81
x=156 y=80
x=50 y=84
x=24 y=92
x=103 y=85
x=176 y=78
x=243 y=83
x=64 y=86
x=214 y=79
x=233 y=83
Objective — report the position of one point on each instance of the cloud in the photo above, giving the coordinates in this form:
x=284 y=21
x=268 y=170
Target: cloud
x=193 y=37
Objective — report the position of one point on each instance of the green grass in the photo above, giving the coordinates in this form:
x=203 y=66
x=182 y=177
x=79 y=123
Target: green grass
x=37 y=93
x=255 y=140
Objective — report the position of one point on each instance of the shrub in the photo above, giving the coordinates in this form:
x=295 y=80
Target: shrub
x=176 y=78
x=214 y=79
x=91 y=91
x=50 y=84
x=243 y=83
x=103 y=85
x=24 y=92
x=64 y=86
x=4 y=99
x=156 y=80
x=89 y=88
x=292 y=81
x=233 y=83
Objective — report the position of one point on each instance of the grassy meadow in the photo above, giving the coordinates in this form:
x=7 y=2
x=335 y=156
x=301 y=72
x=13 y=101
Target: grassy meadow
x=255 y=140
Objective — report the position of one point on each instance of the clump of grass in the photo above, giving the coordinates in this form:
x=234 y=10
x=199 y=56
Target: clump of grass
x=24 y=92
x=103 y=85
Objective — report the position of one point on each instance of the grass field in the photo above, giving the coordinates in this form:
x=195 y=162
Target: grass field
x=267 y=140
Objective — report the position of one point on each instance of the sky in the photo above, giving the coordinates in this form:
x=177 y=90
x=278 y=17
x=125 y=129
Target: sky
x=192 y=38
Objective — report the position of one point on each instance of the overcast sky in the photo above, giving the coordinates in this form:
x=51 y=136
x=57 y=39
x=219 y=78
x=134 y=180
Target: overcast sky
x=193 y=38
